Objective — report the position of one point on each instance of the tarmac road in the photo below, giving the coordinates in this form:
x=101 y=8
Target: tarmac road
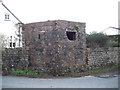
x=79 y=82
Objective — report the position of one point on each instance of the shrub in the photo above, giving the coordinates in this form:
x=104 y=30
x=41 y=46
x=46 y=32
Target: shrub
x=97 y=40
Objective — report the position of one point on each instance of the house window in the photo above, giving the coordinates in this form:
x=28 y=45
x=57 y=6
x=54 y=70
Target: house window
x=71 y=35
x=14 y=45
x=38 y=36
x=7 y=17
x=10 y=44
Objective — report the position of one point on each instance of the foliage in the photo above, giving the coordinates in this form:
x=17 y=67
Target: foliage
x=97 y=40
x=76 y=28
x=114 y=43
x=114 y=40
x=23 y=72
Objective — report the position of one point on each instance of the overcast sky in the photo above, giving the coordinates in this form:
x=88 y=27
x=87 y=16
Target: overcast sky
x=97 y=14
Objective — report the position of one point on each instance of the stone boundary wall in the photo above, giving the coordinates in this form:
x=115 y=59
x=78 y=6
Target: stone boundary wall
x=14 y=58
x=103 y=56
x=18 y=58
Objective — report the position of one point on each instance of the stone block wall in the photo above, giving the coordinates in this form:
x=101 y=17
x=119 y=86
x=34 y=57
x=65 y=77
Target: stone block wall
x=55 y=43
x=14 y=58
x=103 y=56
x=18 y=58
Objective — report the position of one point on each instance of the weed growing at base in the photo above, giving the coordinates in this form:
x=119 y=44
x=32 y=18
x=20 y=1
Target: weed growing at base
x=28 y=72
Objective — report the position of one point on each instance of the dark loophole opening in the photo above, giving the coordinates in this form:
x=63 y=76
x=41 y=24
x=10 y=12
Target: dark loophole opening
x=71 y=35
x=38 y=36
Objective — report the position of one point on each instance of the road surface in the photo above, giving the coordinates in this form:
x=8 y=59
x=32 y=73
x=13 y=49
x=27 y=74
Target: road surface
x=79 y=82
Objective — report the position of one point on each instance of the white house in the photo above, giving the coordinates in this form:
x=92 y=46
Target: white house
x=8 y=26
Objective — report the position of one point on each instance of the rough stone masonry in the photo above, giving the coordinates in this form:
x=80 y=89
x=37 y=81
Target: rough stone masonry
x=55 y=43
x=54 y=46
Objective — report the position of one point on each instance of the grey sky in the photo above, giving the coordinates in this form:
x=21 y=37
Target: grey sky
x=98 y=14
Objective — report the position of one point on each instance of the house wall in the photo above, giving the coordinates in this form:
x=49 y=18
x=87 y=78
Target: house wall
x=49 y=45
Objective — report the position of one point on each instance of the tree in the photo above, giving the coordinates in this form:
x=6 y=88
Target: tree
x=3 y=41
x=97 y=40
x=114 y=40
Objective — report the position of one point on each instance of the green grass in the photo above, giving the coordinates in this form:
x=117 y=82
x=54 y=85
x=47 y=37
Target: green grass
x=25 y=72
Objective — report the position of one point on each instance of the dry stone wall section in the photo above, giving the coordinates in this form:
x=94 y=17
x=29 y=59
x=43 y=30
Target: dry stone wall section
x=103 y=56
x=14 y=58
x=18 y=58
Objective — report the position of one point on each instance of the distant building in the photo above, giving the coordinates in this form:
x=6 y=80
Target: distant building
x=55 y=43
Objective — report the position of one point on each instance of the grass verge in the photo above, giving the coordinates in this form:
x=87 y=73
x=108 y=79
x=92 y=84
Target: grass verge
x=23 y=72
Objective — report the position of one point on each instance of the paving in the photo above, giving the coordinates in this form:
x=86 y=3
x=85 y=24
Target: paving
x=79 y=82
